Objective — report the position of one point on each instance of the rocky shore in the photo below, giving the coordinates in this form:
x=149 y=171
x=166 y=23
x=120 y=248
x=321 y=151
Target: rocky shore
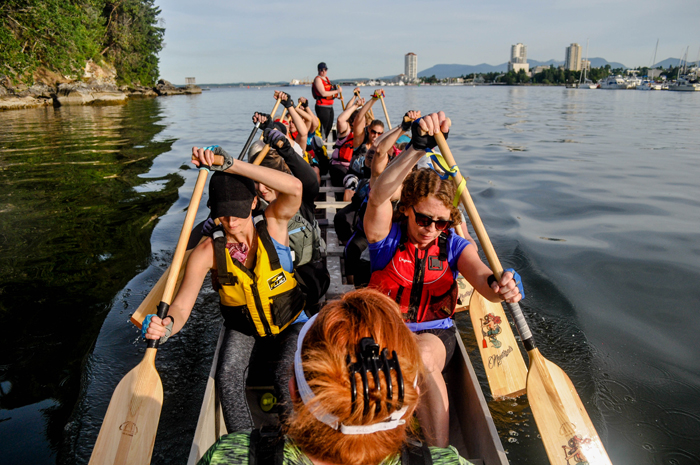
x=97 y=87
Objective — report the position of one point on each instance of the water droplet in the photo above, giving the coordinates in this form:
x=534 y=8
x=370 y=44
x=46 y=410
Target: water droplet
x=512 y=433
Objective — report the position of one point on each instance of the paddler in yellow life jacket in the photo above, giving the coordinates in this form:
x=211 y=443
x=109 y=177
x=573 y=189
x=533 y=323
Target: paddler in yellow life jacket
x=261 y=301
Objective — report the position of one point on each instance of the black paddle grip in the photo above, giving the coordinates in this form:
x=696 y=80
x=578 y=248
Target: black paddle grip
x=521 y=324
x=161 y=313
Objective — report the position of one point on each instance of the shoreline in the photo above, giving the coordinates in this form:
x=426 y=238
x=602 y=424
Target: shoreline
x=93 y=92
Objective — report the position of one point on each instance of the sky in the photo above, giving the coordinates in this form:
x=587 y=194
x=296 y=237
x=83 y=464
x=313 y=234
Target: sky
x=225 y=41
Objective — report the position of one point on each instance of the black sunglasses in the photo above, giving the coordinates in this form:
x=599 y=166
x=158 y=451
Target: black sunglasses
x=425 y=221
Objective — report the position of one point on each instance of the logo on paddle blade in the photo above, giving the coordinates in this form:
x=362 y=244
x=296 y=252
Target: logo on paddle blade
x=128 y=428
x=276 y=281
x=490 y=328
x=573 y=450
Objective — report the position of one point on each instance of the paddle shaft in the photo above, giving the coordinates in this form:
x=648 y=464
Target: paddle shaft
x=180 y=250
x=494 y=262
x=250 y=139
x=342 y=101
x=386 y=114
x=272 y=114
x=219 y=159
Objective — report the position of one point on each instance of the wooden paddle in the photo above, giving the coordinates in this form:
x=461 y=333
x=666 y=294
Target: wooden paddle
x=272 y=114
x=342 y=101
x=564 y=424
x=386 y=114
x=129 y=428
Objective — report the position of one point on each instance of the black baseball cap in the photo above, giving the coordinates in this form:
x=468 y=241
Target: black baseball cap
x=231 y=195
x=322 y=66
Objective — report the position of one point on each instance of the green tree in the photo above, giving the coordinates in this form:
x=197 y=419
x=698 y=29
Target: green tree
x=62 y=35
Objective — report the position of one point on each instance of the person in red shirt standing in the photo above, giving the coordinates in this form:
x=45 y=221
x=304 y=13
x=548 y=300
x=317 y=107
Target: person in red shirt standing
x=324 y=92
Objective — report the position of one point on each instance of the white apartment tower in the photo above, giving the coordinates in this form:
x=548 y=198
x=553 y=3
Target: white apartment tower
x=411 y=67
x=573 y=57
x=518 y=58
x=518 y=53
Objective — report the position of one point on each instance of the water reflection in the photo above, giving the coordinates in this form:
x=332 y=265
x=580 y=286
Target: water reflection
x=75 y=226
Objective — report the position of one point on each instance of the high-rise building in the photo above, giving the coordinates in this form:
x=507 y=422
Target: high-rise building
x=518 y=53
x=518 y=58
x=411 y=66
x=573 y=57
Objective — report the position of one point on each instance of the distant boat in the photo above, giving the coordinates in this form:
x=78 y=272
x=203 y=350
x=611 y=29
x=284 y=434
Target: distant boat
x=583 y=81
x=687 y=83
x=618 y=82
x=648 y=84
x=687 y=77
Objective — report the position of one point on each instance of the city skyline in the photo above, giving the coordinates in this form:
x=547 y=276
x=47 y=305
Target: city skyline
x=221 y=42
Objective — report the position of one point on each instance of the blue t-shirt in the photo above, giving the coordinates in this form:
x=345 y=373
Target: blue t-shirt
x=381 y=253
x=285 y=255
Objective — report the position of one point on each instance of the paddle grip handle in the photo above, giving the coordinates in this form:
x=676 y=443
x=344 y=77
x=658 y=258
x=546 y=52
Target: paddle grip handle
x=521 y=324
x=218 y=160
x=161 y=313
x=250 y=139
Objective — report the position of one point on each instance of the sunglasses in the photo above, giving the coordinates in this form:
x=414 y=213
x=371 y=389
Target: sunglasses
x=375 y=132
x=425 y=221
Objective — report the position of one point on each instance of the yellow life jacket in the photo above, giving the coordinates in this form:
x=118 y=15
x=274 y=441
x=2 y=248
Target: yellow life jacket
x=263 y=301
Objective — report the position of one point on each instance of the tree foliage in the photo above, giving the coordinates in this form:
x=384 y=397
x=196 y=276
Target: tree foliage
x=62 y=35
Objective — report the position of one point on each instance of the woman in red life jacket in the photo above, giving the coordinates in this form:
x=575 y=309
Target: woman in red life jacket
x=324 y=92
x=343 y=148
x=415 y=258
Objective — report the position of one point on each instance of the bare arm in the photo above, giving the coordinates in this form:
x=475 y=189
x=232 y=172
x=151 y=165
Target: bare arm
x=200 y=262
x=343 y=126
x=358 y=126
x=302 y=131
x=384 y=143
x=379 y=211
x=477 y=273
x=289 y=190
x=305 y=114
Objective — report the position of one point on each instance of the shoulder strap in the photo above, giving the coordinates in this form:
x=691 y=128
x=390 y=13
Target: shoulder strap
x=266 y=240
x=415 y=452
x=266 y=446
x=442 y=245
x=225 y=277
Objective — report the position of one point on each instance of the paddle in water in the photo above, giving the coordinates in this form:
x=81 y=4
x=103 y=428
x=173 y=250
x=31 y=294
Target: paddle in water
x=566 y=429
x=129 y=428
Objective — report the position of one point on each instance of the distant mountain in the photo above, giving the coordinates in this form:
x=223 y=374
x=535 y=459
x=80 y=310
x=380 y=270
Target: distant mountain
x=667 y=62
x=444 y=71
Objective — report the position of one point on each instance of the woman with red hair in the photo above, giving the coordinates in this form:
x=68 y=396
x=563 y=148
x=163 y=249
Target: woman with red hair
x=354 y=391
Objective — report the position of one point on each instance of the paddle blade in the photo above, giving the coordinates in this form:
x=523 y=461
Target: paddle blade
x=464 y=295
x=129 y=428
x=504 y=364
x=566 y=429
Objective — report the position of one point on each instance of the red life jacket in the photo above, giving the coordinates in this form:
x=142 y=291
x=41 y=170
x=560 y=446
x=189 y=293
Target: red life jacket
x=343 y=152
x=321 y=100
x=420 y=281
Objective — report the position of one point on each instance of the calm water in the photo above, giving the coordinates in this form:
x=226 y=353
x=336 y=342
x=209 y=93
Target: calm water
x=591 y=195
